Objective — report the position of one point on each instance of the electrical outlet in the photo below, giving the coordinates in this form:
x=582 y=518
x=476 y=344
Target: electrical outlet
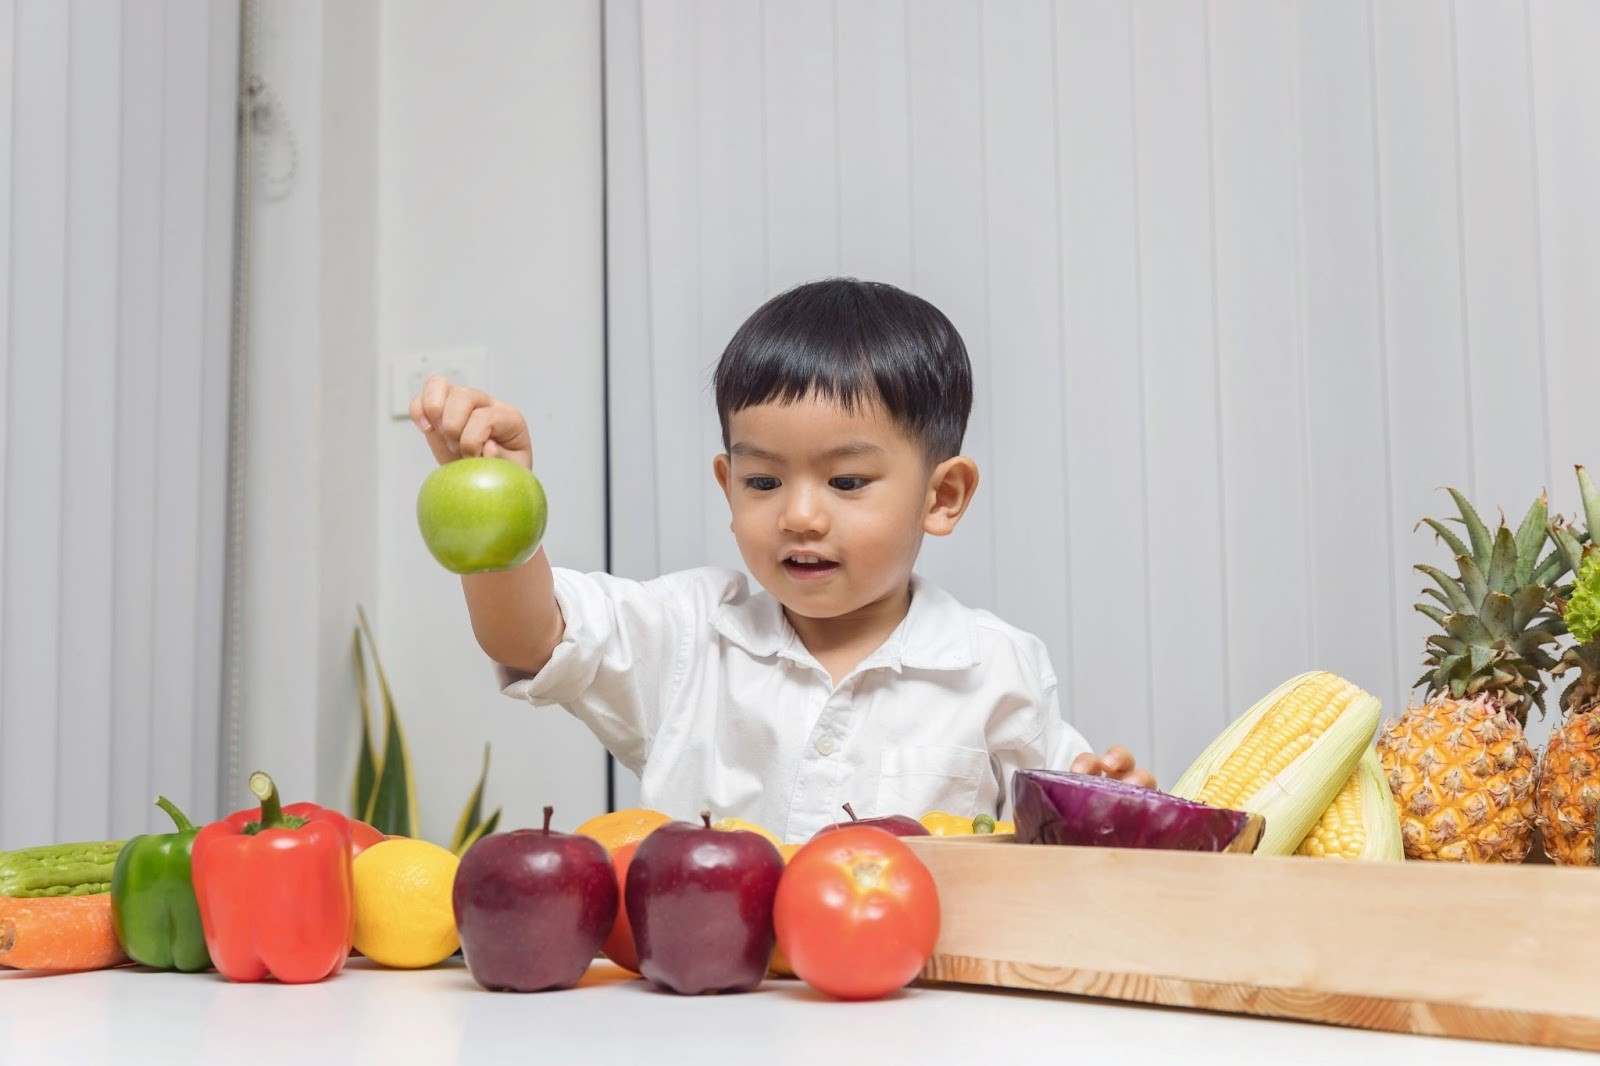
x=463 y=366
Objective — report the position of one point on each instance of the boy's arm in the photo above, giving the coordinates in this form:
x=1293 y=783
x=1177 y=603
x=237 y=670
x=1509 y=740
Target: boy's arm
x=514 y=612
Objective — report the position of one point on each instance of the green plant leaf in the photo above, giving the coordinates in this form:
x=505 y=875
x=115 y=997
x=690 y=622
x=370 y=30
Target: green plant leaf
x=392 y=807
x=485 y=827
x=1454 y=595
x=1476 y=530
x=1530 y=538
x=366 y=766
x=1444 y=533
x=472 y=814
x=1591 y=502
x=1502 y=575
x=1472 y=579
x=1431 y=611
x=1556 y=563
x=1567 y=557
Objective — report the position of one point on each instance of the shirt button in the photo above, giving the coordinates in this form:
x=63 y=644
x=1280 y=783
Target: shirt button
x=825 y=745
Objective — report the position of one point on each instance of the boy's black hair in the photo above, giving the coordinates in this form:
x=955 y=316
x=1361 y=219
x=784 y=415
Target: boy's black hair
x=853 y=342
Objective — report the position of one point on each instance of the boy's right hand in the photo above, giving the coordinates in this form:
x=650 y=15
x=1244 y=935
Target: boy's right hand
x=459 y=421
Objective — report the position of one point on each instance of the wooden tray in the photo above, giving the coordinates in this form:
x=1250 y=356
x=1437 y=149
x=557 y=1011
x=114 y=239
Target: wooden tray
x=1500 y=953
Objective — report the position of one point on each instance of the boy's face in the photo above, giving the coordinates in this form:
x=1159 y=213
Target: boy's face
x=830 y=506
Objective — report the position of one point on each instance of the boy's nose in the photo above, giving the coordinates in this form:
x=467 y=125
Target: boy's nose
x=803 y=512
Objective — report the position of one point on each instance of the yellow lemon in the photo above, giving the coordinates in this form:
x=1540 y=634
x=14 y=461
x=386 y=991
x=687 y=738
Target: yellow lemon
x=402 y=891
x=730 y=824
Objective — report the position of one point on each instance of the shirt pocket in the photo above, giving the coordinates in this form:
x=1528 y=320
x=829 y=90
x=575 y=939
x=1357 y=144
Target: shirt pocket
x=916 y=780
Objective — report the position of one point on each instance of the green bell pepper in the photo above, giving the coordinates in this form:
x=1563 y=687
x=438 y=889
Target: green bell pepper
x=152 y=899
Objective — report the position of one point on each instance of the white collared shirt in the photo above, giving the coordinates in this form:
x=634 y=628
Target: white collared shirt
x=704 y=690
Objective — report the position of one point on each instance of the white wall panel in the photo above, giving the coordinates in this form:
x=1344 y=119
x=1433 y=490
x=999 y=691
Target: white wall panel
x=1178 y=320
x=115 y=226
x=1243 y=283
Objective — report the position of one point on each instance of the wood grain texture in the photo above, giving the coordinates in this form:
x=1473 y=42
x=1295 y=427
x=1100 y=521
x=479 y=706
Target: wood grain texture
x=1478 y=952
x=1361 y=1012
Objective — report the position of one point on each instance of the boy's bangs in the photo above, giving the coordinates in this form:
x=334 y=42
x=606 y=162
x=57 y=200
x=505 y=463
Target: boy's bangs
x=852 y=343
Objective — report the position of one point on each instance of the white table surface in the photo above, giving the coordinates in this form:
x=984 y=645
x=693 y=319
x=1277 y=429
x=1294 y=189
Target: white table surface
x=370 y=1015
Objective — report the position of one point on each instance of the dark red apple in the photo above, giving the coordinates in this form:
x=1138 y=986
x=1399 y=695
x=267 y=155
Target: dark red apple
x=700 y=903
x=899 y=824
x=533 y=907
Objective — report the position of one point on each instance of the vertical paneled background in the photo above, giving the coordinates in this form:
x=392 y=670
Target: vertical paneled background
x=116 y=178
x=1244 y=285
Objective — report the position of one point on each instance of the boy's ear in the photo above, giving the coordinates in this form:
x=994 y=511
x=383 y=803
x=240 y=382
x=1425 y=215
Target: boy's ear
x=950 y=491
x=719 y=470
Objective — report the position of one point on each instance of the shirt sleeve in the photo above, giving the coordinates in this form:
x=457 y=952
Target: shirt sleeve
x=1052 y=747
x=620 y=659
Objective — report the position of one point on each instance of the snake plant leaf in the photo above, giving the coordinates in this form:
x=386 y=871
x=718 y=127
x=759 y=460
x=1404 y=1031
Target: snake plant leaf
x=1476 y=530
x=366 y=764
x=472 y=814
x=392 y=808
x=485 y=827
x=1530 y=538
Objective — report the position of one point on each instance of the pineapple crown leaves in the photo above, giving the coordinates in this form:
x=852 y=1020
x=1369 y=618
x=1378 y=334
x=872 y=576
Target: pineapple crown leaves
x=1495 y=611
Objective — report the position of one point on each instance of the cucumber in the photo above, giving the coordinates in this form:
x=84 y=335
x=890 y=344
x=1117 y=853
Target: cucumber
x=81 y=869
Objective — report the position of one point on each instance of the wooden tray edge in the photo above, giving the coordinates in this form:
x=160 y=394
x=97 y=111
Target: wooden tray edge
x=1364 y=1012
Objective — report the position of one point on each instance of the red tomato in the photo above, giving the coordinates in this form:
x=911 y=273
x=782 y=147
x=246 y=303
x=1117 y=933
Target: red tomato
x=619 y=947
x=857 y=913
x=362 y=837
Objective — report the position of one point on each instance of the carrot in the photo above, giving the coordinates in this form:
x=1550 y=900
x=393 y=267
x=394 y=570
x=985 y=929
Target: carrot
x=58 y=933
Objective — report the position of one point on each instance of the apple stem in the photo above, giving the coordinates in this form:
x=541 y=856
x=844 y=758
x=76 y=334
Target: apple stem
x=548 y=811
x=705 y=816
x=851 y=813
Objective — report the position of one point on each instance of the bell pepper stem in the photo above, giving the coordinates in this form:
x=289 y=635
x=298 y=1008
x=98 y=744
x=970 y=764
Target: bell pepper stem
x=272 y=816
x=177 y=816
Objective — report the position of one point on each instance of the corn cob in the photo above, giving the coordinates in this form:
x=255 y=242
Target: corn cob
x=1362 y=822
x=82 y=869
x=1287 y=757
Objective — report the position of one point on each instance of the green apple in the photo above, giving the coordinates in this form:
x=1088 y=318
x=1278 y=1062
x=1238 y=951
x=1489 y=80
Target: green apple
x=481 y=514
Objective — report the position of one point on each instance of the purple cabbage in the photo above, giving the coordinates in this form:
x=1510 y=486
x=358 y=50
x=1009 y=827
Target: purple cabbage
x=1051 y=807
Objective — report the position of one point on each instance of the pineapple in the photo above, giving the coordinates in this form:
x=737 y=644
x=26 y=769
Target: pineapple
x=1568 y=791
x=1460 y=768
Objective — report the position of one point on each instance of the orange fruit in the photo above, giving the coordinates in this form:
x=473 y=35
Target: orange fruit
x=619 y=946
x=627 y=826
x=779 y=966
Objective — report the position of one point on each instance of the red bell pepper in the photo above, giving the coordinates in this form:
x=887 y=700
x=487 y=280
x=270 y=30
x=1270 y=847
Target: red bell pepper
x=274 y=889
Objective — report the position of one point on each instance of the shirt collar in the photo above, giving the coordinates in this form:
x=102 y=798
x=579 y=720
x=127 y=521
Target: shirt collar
x=937 y=633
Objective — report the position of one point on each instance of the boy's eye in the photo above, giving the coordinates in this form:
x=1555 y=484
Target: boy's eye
x=761 y=484
x=848 y=484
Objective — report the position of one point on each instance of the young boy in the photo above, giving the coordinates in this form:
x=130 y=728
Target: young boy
x=846 y=677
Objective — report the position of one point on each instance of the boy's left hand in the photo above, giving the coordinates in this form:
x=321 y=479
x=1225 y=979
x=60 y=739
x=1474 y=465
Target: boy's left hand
x=1117 y=763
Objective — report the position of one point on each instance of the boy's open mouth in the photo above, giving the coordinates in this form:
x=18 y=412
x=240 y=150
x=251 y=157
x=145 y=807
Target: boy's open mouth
x=808 y=566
